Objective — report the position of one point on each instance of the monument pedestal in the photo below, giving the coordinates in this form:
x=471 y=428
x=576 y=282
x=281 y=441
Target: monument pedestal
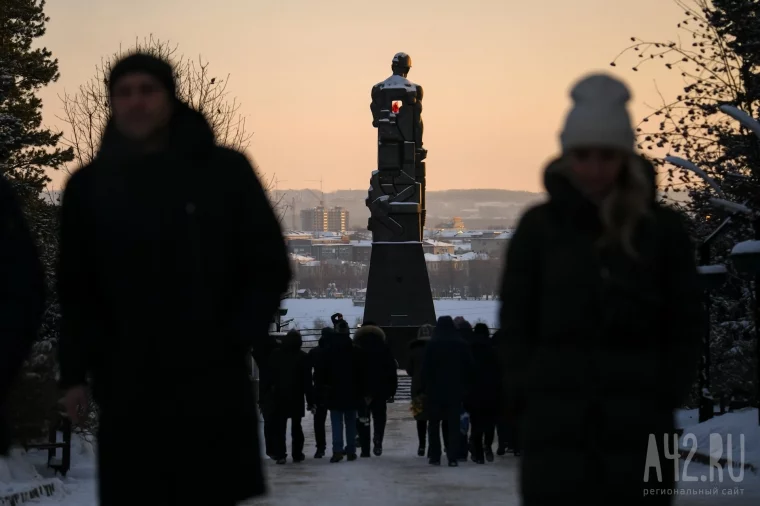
x=398 y=297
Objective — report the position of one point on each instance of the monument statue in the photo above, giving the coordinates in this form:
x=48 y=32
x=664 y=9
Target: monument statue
x=399 y=181
x=398 y=290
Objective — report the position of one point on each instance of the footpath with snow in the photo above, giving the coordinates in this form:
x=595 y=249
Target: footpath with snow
x=400 y=478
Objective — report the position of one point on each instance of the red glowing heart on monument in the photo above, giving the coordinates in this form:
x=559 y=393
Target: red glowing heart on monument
x=396 y=106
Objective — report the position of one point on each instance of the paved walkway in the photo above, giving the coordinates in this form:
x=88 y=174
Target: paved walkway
x=397 y=478
x=400 y=478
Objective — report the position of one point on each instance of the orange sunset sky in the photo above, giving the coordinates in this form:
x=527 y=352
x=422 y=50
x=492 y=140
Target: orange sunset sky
x=496 y=73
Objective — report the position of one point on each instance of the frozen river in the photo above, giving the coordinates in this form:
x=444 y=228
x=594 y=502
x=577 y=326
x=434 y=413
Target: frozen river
x=307 y=311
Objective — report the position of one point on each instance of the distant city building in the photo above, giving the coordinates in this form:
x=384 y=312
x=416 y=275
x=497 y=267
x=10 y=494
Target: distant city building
x=437 y=247
x=322 y=219
x=456 y=223
x=337 y=219
x=494 y=246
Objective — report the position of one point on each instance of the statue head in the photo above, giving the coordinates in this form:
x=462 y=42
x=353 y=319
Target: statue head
x=401 y=64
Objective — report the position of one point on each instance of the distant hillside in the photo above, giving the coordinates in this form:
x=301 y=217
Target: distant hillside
x=477 y=208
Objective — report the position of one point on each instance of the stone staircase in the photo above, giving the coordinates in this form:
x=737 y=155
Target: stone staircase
x=404 y=391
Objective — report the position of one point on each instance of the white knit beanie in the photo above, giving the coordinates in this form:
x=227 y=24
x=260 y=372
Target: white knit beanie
x=599 y=117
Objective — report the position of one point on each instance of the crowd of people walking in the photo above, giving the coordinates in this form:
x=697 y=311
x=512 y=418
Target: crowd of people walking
x=351 y=379
x=163 y=299
x=455 y=388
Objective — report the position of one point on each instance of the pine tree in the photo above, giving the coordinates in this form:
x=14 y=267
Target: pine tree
x=718 y=59
x=31 y=150
x=27 y=151
x=9 y=125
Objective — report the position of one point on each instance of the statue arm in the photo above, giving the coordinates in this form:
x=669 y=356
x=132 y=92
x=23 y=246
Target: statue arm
x=373 y=106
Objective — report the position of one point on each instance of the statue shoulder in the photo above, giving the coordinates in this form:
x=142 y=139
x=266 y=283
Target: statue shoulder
x=419 y=91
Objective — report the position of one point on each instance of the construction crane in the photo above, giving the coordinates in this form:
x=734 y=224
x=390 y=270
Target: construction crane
x=293 y=213
x=320 y=199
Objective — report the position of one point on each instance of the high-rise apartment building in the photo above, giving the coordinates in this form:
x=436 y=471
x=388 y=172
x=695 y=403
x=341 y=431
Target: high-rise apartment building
x=321 y=219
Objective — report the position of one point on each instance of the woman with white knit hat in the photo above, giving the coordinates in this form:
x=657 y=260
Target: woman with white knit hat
x=601 y=315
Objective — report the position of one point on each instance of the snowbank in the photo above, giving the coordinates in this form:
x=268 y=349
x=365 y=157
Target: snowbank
x=686 y=418
x=746 y=248
x=25 y=477
x=742 y=426
x=712 y=269
x=20 y=482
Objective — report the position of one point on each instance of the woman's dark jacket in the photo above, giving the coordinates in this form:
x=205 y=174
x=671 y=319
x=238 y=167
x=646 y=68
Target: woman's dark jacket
x=599 y=347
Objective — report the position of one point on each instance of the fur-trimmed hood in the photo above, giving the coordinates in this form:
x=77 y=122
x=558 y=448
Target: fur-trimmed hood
x=369 y=336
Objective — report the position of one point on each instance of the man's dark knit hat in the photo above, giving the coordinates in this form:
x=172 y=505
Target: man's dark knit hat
x=147 y=64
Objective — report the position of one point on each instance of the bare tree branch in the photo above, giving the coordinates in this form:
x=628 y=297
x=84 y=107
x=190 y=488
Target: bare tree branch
x=86 y=111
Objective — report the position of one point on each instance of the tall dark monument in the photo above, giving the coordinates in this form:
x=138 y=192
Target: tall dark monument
x=398 y=290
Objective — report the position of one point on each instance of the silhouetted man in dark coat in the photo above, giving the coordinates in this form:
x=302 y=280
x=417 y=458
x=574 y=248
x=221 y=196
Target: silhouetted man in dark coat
x=266 y=345
x=172 y=264
x=22 y=296
x=485 y=396
x=340 y=377
x=289 y=386
x=317 y=360
x=447 y=372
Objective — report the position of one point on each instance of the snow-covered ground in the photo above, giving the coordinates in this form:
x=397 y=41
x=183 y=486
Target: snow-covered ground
x=743 y=428
x=400 y=478
x=306 y=311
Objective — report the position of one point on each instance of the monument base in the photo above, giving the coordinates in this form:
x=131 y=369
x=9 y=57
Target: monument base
x=398 y=296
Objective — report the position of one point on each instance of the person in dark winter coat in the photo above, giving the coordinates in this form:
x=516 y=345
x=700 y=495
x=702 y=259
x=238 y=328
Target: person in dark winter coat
x=340 y=377
x=481 y=329
x=341 y=327
x=22 y=297
x=465 y=331
x=447 y=372
x=414 y=370
x=317 y=360
x=380 y=383
x=289 y=386
x=337 y=317
x=261 y=353
x=506 y=428
x=163 y=240
x=601 y=313
x=485 y=397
